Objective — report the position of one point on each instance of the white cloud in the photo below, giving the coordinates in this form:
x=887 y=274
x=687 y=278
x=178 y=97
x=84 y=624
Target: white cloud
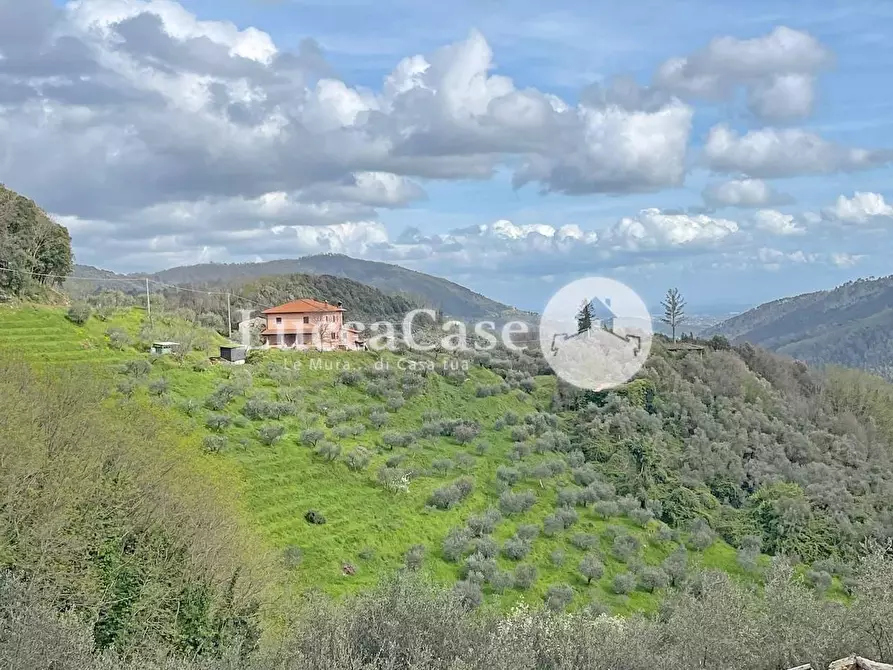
x=862 y=208
x=776 y=69
x=772 y=152
x=774 y=222
x=743 y=193
x=653 y=228
x=774 y=258
x=845 y=260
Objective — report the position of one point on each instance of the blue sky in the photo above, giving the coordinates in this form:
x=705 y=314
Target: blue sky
x=610 y=198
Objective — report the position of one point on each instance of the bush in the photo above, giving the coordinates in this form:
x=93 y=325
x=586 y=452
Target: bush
x=820 y=580
x=414 y=557
x=641 y=516
x=350 y=377
x=516 y=503
x=623 y=584
x=395 y=403
x=214 y=444
x=442 y=465
x=557 y=557
x=515 y=548
x=118 y=338
x=358 y=459
x=558 y=597
x=455 y=544
x=485 y=546
x=527 y=531
x=292 y=557
x=567 y=517
x=479 y=568
x=392 y=439
x=702 y=536
x=591 y=568
x=158 y=386
x=653 y=579
x=394 y=479
x=676 y=566
x=344 y=430
x=584 y=541
x=552 y=525
x=484 y=524
x=468 y=594
x=310 y=437
x=465 y=433
x=137 y=368
x=127 y=387
x=584 y=475
x=270 y=434
x=625 y=547
x=502 y=581
x=314 y=517
x=568 y=497
x=218 y=422
x=79 y=313
x=508 y=476
x=379 y=418
x=606 y=509
x=328 y=451
x=525 y=576
x=447 y=497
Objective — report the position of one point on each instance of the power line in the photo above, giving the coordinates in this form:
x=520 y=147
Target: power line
x=140 y=280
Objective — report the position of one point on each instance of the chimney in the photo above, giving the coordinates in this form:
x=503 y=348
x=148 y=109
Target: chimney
x=339 y=304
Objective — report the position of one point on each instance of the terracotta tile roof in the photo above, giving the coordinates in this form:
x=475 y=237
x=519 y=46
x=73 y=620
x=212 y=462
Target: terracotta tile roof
x=302 y=306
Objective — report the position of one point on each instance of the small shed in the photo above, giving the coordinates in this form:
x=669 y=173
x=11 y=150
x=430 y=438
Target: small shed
x=233 y=354
x=164 y=348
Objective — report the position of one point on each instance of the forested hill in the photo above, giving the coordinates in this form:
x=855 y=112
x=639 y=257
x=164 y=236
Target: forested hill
x=851 y=325
x=435 y=292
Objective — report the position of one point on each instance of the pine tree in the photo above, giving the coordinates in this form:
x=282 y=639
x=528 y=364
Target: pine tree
x=584 y=317
x=674 y=310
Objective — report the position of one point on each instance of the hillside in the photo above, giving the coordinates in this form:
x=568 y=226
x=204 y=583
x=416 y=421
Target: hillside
x=435 y=292
x=482 y=475
x=851 y=325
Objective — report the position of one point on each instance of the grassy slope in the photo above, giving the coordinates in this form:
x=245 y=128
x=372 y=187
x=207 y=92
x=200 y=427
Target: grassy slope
x=280 y=483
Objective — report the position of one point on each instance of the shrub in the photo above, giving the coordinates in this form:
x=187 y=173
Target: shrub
x=392 y=439
x=481 y=447
x=414 y=557
x=501 y=581
x=366 y=553
x=508 y=476
x=447 y=497
x=515 y=548
x=395 y=403
x=591 y=568
x=527 y=531
x=606 y=509
x=350 y=377
x=584 y=475
x=442 y=465
x=118 y=338
x=623 y=583
x=485 y=546
x=468 y=594
x=552 y=525
x=519 y=433
x=270 y=433
x=516 y=503
x=214 y=444
x=479 y=568
x=465 y=433
x=455 y=544
x=379 y=418
x=664 y=533
x=159 y=386
x=557 y=557
x=292 y=557
x=702 y=536
x=676 y=566
x=137 y=368
x=79 y=313
x=218 y=422
x=653 y=579
x=126 y=387
x=558 y=597
x=525 y=576
x=625 y=547
x=344 y=430
x=358 y=459
x=314 y=517
x=567 y=517
x=394 y=479
x=641 y=516
x=310 y=437
x=568 y=497
x=328 y=451
x=190 y=406
x=584 y=541
x=820 y=580
x=484 y=524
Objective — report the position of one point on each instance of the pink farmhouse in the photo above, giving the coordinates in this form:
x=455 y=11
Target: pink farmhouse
x=309 y=324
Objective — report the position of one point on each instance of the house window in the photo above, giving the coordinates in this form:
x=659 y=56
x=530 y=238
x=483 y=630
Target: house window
x=278 y=319
x=333 y=336
x=306 y=319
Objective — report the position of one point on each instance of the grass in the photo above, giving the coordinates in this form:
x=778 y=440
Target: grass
x=367 y=526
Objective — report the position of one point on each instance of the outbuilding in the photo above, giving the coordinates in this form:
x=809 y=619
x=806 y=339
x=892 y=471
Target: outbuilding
x=164 y=348
x=233 y=354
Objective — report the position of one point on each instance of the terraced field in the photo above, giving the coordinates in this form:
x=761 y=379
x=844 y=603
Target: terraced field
x=43 y=335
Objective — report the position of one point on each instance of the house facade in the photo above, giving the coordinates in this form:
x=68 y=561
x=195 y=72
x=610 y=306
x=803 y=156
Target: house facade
x=309 y=324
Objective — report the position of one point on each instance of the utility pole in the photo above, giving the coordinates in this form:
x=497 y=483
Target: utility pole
x=229 y=317
x=148 y=302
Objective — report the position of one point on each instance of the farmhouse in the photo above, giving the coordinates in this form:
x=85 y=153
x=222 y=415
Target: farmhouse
x=309 y=324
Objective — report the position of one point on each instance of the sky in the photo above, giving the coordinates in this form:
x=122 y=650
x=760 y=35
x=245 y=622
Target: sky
x=741 y=152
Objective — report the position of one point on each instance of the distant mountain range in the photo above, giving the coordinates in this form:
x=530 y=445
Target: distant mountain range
x=433 y=292
x=851 y=325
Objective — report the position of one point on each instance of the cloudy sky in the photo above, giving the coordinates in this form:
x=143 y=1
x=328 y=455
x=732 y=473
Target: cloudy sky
x=739 y=151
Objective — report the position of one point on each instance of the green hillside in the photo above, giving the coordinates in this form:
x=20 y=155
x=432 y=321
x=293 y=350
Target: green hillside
x=849 y=325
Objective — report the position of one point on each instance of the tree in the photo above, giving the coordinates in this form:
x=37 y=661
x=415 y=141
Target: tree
x=584 y=317
x=591 y=568
x=674 y=310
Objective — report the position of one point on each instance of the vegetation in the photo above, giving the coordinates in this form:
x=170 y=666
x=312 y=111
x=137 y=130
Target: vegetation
x=32 y=246
x=674 y=310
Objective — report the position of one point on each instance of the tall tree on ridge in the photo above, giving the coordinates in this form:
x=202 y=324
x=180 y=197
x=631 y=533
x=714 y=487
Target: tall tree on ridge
x=674 y=310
